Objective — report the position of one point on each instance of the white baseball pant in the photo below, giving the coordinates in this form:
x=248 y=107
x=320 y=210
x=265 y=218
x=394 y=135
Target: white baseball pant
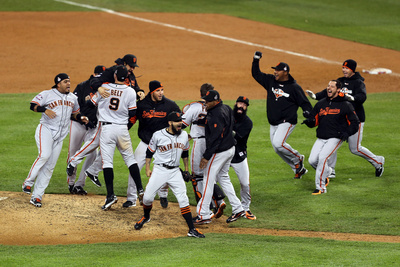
x=242 y=172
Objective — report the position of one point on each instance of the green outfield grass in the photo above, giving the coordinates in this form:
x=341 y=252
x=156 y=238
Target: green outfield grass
x=215 y=250
x=356 y=202
x=365 y=21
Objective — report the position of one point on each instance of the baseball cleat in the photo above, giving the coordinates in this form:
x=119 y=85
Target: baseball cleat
x=332 y=174
x=109 y=202
x=164 y=202
x=71 y=188
x=198 y=221
x=299 y=166
x=318 y=192
x=250 y=215
x=128 y=204
x=195 y=233
x=27 y=189
x=70 y=169
x=36 y=202
x=379 y=170
x=326 y=181
x=78 y=190
x=220 y=210
x=300 y=174
x=141 y=222
x=236 y=216
x=93 y=178
x=140 y=196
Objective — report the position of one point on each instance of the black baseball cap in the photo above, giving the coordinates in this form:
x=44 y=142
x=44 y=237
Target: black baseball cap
x=244 y=100
x=99 y=69
x=130 y=60
x=211 y=96
x=175 y=116
x=59 y=78
x=121 y=73
x=154 y=85
x=282 y=66
x=350 y=64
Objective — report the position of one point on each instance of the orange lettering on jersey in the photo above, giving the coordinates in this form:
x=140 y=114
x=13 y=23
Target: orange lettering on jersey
x=153 y=114
x=326 y=111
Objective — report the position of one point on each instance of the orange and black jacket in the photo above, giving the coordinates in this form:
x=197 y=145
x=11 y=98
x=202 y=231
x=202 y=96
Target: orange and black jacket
x=355 y=87
x=333 y=117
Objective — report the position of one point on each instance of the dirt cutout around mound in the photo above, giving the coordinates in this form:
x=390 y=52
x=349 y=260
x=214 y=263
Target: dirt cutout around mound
x=38 y=45
x=74 y=219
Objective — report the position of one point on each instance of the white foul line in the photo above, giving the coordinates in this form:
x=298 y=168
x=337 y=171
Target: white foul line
x=205 y=33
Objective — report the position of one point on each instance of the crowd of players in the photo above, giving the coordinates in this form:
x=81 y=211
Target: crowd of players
x=102 y=109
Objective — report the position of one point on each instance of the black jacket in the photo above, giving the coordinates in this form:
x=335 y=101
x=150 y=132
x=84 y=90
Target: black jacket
x=283 y=98
x=355 y=87
x=152 y=116
x=333 y=117
x=242 y=128
x=108 y=77
x=83 y=91
x=218 y=130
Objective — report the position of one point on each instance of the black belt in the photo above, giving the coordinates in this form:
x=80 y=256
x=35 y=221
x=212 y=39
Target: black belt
x=199 y=137
x=105 y=123
x=169 y=167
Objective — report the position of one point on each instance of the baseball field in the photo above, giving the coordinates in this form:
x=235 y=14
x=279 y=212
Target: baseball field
x=184 y=44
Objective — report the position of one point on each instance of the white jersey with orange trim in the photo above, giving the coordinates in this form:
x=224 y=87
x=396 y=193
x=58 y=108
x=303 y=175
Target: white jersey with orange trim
x=194 y=114
x=115 y=108
x=168 y=148
x=63 y=105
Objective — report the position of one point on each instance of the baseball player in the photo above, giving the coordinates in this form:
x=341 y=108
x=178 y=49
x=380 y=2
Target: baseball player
x=336 y=121
x=220 y=149
x=80 y=133
x=355 y=92
x=194 y=115
x=284 y=97
x=130 y=62
x=56 y=106
x=167 y=146
x=107 y=76
x=241 y=129
x=114 y=114
x=152 y=114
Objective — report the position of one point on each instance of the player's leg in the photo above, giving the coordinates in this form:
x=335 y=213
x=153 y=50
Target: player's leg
x=140 y=157
x=91 y=145
x=77 y=134
x=224 y=180
x=278 y=135
x=357 y=149
x=322 y=171
x=242 y=171
x=44 y=143
x=332 y=163
x=197 y=152
x=45 y=173
x=108 y=140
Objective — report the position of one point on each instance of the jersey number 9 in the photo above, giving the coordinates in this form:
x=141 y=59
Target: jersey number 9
x=114 y=103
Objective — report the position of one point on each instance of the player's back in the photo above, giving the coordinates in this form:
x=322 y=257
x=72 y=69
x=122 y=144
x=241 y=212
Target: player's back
x=115 y=108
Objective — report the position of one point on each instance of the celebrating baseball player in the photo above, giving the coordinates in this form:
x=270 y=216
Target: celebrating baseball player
x=152 y=114
x=220 y=149
x=336 y=121
x=355 y=92
x=242 y=128
x=114 y=114
x=130 y=62
x=56 y=106
x=284 y=97
x=167 y=146
x=194 y=115
x=83 y=133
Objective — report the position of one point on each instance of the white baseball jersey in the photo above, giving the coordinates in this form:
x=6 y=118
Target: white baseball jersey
x=194 y=114
x=115 y=108
x=168 y=148
x=63 y=105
